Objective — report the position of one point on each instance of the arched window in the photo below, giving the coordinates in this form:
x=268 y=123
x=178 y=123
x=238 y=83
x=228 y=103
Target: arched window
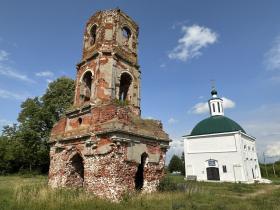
x=219 y=109
x=85 y=89
x=93 y=34
x=126 y=32
x=124 y=86
x=213 y=106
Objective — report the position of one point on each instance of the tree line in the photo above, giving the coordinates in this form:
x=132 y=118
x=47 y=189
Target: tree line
x=270 y=170
x=177 y=164
x=24 y=145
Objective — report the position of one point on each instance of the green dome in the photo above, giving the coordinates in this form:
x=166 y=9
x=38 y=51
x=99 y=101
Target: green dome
x=216 y=124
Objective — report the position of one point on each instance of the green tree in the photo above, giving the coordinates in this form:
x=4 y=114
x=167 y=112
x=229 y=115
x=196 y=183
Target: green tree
x=58 y=98
x=11 y=151
x=175 y=164
x=9 y=131
x=183 y=172
x=25 y=146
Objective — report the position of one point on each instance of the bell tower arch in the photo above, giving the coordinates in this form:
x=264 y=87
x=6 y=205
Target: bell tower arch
x=110 y=54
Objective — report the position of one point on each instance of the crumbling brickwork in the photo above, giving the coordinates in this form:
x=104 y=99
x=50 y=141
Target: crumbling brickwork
x=103 y=144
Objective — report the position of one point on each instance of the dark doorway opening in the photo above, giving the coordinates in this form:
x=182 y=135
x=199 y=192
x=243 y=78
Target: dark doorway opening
x=213 y=173
x=139 y=176
x=124 y=86
x=76 y=172
x=85 y=90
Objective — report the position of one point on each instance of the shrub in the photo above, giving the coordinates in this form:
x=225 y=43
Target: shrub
x=166 y=184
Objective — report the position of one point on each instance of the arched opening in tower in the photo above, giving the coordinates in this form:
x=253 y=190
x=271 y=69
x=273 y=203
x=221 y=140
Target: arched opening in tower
x=126 y=33
x=75 y=172
x=93 y=34
x=85 y=91
x=139 y=176
x=124 y=86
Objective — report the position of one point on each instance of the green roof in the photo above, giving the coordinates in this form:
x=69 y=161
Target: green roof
x=216 y=124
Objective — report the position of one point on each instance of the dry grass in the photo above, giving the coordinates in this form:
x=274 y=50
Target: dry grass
x=18 y=193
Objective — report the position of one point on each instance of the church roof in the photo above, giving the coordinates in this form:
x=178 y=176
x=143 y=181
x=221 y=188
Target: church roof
x=216 y=124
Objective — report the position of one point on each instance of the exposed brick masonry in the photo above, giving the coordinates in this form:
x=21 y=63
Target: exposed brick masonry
x=103 y=144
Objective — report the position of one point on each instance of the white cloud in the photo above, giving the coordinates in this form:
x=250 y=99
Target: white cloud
x=264 y=124
x=162 y=65
x=227 y=103
x=202 y=108
x=49 y=80
x=10 y=95
x=273 y=149
x=272 y=57
x=4 y=122
x=7 y=71
x=172 y=120
x=176 y=147
x=177 y=143
x=3 y=55
x=149 y=118
x=45 y=74
x=194 y=39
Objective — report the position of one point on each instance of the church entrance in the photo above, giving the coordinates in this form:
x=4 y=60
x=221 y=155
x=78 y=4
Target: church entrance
x=139 y=176
x=75 y=172
x=213 y=173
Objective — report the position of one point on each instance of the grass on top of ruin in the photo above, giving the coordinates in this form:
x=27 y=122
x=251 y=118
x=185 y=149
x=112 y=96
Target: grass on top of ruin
x=28 y=193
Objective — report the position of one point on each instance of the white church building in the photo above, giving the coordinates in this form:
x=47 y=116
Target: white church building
x=219 y=149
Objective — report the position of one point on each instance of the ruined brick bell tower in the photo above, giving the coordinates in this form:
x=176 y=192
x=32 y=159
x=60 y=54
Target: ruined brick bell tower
x=102 y=144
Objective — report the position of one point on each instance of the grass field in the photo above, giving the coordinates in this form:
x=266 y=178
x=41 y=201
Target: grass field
x=28 y=193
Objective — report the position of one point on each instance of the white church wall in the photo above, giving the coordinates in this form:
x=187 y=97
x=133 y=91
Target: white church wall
x=250 y=158
x=211 y=143
x=225 y=148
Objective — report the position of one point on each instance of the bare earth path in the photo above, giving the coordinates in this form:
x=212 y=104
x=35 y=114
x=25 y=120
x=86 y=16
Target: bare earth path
x=267 y=190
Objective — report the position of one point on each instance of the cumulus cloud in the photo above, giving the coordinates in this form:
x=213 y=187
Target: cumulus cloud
x=7 y=71
x=227 y=103
x=45 y=74
x=149 y=118
x=4 y=122
x=273 y=149
x=176 y=147
x=194 y=39
x=264 y=124
x=3 y=55
x=272 y=57
x=172 y=120
x=49 y=80
x=202 y=107
x=10 y=95
x=177 y=144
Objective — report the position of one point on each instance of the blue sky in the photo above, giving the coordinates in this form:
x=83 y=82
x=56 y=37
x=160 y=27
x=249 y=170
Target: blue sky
x=183 y=45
